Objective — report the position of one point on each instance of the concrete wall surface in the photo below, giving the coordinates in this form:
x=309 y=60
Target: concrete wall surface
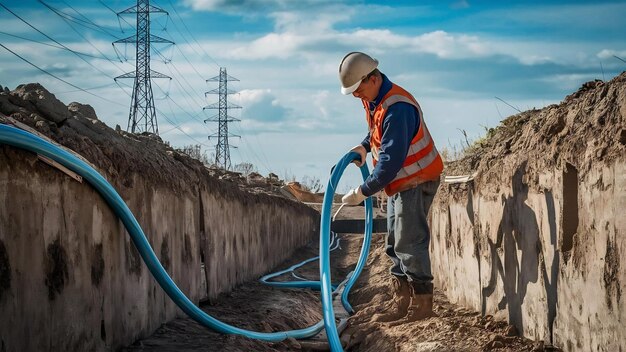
x=537 y=237
x=70 y=277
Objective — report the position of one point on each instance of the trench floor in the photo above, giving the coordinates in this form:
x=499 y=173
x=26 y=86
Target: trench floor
x=262 y=308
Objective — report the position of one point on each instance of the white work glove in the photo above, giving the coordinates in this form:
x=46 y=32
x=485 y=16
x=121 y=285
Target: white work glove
x=359 y=149
x=354 y=197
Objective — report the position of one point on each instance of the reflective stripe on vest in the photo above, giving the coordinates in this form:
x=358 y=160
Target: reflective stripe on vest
x=422 y=163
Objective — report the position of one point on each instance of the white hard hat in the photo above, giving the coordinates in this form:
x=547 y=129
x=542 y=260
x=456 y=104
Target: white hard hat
x=353 y=69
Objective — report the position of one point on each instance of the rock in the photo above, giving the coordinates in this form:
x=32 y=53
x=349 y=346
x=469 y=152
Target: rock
x=496 y=342
x=510 y=331
x=293 y=344
x=45 y=102
x=493 y=345
x=6 y=106
x=254 y=178
x=538 y=347
x=83 y=110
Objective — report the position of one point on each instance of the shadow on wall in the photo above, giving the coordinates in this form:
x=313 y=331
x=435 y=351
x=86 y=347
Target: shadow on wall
x=518 y=232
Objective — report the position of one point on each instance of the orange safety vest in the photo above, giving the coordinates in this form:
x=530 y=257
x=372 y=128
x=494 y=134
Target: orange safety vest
x=423 y=162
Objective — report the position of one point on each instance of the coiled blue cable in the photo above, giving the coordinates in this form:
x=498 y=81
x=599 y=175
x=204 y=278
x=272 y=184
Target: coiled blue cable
x=302 y=282
x=325 y=275
x=24 y=140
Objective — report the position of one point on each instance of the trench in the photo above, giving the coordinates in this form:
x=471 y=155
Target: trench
x=255 y=306
x=266 y=310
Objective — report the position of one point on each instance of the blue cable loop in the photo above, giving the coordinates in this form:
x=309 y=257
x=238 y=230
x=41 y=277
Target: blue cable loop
x=325 y=279
x=21 y=139
x=302 y=283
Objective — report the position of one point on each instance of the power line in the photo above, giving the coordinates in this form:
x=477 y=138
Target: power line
x=195 y=117
x=58 y=78
x=87 y=40
x=54 y=46
x=57 y=42
x=177 y=81
x=518 y=110
x=88 y=23
x=118 y=16
x=92 y=88
x=190 y=34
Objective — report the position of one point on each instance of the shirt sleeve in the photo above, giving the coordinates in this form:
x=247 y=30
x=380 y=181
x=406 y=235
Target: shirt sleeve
x=399 y=127
x=366 y=143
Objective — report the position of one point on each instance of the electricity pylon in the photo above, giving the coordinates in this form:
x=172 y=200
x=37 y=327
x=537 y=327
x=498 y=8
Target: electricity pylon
x=142 y=116
x=222 y=149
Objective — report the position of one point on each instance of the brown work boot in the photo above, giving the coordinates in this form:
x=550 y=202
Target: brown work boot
x=421 y=306
x=400 y=304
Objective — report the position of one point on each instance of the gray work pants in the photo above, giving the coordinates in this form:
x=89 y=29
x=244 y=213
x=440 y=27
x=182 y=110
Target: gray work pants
x=408 y=235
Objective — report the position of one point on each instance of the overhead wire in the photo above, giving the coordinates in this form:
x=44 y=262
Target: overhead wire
x=118 y=16
x=85 y=23
x=92 y=88
x=54 y=46
x=87 y=40
x=55 y=41
x=177 y=81
x=190 y=34
x=59 y=78
x=60 y=45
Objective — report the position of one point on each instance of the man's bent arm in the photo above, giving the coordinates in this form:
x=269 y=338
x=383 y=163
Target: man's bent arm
x=399 y=127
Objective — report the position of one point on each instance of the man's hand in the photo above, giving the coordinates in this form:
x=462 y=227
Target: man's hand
x=359 y=149
x=354 y=197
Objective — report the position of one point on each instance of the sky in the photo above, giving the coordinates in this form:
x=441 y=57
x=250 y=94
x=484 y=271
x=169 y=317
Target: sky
x=470 y=64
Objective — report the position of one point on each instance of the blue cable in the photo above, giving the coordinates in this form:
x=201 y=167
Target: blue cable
x=325 y=279
x=302 y=283
x=24 y=140
x=365 y=248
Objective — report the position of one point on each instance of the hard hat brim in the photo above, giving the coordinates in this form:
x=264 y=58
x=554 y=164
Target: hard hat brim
x=351 y=89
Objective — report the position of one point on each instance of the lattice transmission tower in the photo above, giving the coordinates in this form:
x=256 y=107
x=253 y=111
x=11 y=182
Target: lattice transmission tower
x=142 y=116
x=222 y=149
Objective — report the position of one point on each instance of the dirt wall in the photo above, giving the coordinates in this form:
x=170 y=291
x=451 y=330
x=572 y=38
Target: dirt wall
x=70 y=277
x=536 y=238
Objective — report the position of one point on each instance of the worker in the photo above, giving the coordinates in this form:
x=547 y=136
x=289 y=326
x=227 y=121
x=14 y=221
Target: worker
x=408 y=167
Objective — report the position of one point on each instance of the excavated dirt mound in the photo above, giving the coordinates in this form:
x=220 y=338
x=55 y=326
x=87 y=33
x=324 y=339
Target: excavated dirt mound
x=263 y=308
x=115 y=153
x=587 y=127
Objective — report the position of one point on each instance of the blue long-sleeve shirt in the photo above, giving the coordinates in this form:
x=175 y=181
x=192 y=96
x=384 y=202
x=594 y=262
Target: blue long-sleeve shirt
x=400 y=125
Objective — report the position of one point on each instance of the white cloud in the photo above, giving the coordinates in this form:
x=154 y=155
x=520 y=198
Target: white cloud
x=262 y=105
x=607 y=53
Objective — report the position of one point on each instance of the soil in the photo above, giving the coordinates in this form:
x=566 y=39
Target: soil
x=117 y=154
x=586 y=128
x=262 y=308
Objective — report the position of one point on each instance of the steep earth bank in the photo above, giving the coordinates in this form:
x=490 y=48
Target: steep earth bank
x=536 y=237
